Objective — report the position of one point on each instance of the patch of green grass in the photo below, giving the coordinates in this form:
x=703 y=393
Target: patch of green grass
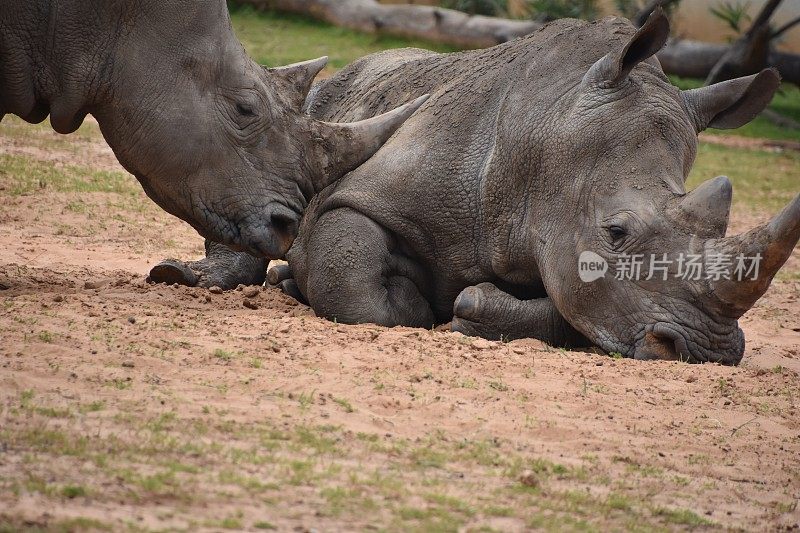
x=73 y=491
x=498 y=386
x=315 y=439
x=306 y=399
x=429 y=519
x=278 y=39
x=46 y=440
x=77 y=206
x=93 y=407
x=120 y=384
x=27 y=175
x=25 y=397
x=248 y=483
x=342 y=499
x=223 y=355
x=760 y=179
x=42 y=135
x=681 y=517
x=429 y=457
x=344 y=404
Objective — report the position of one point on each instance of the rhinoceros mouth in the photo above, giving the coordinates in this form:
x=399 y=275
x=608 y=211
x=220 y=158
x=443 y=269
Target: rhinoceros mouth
x=267 y=231
x=672 y=341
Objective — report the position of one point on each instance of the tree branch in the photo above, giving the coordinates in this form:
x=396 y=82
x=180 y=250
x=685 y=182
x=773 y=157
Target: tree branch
x=641 y=16
x=764 y=16
x=785 y=27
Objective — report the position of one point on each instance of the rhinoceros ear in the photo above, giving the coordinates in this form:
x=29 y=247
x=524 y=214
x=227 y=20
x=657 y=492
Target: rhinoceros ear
x=733 y=103
x=615 y=66
x=299 y=77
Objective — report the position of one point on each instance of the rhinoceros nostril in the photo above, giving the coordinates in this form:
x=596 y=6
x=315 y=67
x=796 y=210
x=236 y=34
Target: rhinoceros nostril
x=283 y=220
x=663 y=343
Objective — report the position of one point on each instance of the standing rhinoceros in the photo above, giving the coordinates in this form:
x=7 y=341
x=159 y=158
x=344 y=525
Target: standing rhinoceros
x=530 y=158
x=214 y=138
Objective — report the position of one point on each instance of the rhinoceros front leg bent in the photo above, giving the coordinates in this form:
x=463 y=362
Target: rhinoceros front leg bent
x=357 y=273
x=486 y=311
x=222 y=267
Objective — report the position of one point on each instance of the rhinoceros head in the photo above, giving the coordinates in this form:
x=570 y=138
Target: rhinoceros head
x=645 y=269
x=218 y=140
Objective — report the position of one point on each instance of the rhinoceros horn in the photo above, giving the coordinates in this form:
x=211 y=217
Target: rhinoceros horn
x=733 y=103
x=767 y=248
x=299 y=77
x=706 y=209
x=345 y=146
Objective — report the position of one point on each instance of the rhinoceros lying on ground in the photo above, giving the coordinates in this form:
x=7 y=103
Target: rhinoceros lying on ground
x=214 y=138
x=566 y=147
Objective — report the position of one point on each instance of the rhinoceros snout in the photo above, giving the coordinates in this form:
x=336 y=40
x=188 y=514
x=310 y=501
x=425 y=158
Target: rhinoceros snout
x=272 y=232
x=669 y=342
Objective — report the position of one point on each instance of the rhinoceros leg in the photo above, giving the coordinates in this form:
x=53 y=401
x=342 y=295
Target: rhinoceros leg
x=222 y=267
x=486 y=311
x=357 y=273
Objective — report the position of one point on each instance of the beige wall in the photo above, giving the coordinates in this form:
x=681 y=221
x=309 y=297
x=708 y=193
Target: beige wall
x=694 y=20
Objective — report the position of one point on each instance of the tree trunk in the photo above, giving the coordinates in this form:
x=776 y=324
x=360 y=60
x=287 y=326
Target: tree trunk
x=749 y=54
x=691 y=59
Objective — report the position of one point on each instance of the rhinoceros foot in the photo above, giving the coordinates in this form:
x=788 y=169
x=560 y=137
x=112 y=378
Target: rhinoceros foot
x=470 y=316
x=281 y=277
x=488 y=312
x=222 y=267
x=172 y=271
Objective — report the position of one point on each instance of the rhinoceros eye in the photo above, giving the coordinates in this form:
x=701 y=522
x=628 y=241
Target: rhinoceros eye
x=245 y=110
x=617 y=233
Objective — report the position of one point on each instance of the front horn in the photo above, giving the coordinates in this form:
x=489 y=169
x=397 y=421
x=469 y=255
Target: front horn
x=346 y=146
x=768 y=247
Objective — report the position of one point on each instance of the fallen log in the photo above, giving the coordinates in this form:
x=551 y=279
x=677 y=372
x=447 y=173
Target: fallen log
x=431 y=23
x=695 y=59
x=685 y=58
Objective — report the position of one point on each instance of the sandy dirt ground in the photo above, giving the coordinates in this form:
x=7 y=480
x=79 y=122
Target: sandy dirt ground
x=125 y=405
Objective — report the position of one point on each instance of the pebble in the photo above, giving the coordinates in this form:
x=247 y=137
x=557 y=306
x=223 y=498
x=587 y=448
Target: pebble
x=95 y=284
x=132 y=319
x=482 y=344
x=529 y=479
x=215 y=290
x=250 y=304
x=251 y=291
x=58 y=298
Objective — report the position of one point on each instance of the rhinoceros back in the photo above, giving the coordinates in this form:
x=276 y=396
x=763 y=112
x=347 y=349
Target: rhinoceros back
x=451 y=172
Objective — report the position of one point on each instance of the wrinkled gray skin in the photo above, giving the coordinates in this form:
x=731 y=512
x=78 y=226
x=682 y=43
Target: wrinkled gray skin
x=214 y=138
x=526 y=155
